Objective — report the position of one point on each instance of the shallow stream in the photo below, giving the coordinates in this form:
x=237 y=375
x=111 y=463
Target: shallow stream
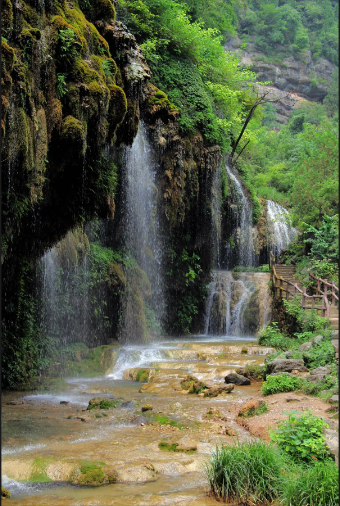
x=37 y=428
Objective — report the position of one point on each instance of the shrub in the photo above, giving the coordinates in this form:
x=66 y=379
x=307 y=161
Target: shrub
x=318 y=485
x=271 y=336
x=321 y=354
x=301 y=437
x=248 y=469
x=282 y=383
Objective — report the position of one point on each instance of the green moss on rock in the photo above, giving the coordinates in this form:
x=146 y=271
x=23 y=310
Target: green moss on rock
x=73 y=135
x=5 y=494
x=117 y=109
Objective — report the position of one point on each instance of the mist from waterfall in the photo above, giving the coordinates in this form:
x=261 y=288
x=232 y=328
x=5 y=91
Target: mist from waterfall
x=280 y=231
x=63 y=301
x=142 y=239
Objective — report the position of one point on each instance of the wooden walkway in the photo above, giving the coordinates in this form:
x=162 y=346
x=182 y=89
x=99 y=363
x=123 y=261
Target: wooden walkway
x=325 y=300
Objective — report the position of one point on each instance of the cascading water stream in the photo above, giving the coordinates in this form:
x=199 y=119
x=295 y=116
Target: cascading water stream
x=280 y=231
x=142 y=231
x=243 y=235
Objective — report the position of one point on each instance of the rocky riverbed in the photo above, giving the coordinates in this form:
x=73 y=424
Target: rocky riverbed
x=142 y=442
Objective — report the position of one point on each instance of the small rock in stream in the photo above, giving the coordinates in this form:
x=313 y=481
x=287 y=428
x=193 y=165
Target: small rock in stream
x=236 y=379
x=64 y=402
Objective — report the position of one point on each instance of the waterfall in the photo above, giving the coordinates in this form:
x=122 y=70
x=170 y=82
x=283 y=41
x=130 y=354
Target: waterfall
x=216 y=217
x=280 y=231
x=243 y=219
x=142 y=231
x=63 y=275
x=238 y=303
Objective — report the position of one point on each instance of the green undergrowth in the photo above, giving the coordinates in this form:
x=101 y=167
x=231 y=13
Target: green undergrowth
x=172 y=447
x=39 y=467
x=261 y=268
x=301 y=437
x=268 y=475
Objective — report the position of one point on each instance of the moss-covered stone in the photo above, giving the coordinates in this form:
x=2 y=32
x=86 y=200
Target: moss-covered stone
x=5 y=494
x=117 y=109
x=6 y=18
x=73 y=136
x=100 y=10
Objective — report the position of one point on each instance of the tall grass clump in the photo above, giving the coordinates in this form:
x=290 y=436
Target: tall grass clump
x=315 y=486
x=246 y=471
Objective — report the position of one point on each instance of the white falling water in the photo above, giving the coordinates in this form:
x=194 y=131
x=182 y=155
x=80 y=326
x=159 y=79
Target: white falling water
x=142 y=228
x=243 y=237
x=280 y=231
x=230 y=298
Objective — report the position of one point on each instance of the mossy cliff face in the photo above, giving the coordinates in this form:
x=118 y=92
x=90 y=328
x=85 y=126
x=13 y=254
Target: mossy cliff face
x=65 y=101
x=185 y=178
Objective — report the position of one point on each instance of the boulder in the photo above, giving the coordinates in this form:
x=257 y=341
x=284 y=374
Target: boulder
x=236 y=379
x=306 y=346
x=334 y=399
x=285 y=365
x=215 y=390
x=332 y=442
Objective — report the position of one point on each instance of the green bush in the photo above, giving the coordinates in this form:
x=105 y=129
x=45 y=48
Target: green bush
x=271 y=336
x=318 y=485
x=301 y=437
x=282 y=383
x=321 y=354
x=250 y=469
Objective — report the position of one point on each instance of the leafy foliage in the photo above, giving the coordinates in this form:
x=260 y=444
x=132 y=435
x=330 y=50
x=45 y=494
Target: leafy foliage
x=281 y=383
x=301 y=437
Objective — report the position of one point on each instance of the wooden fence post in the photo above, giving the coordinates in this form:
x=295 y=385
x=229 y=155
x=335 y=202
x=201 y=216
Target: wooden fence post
x=304 y=297
x=333 y=294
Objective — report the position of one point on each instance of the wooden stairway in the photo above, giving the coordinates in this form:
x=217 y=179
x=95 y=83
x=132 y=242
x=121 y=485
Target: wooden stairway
x=286 y=286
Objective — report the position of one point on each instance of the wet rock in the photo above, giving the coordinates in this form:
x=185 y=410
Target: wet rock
x=64 y=402
x=236 y=379
x=285 y=365
x=213 y=412
x=292 y=399
x=250 y=407
x=5 y=494
x=229 y=431
x=192 y=385
x=14 y=403
x=216 y=390
x=138 y=474
x=128 y=404
x=186 y=444
x=147 y=407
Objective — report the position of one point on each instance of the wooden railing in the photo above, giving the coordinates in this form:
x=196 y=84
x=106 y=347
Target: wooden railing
x=284 y=285
x=326 y=285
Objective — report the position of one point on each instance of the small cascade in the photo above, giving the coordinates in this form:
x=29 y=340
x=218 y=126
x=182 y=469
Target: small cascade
x=280 y=231
x=243 y=218
x=63 y=278
x=238 y=303
x=142 y=233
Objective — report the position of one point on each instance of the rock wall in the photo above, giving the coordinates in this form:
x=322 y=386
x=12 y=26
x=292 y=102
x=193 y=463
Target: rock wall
x=293 y=81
